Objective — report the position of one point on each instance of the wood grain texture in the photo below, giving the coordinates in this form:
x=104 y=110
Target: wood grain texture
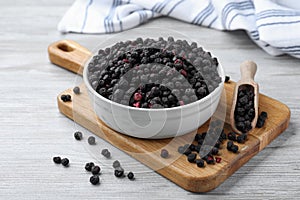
x=32 y=130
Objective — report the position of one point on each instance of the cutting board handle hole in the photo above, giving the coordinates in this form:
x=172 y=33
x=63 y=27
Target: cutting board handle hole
x=65 y=47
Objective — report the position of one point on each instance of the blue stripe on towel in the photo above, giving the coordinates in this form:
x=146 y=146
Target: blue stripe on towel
x=86 y=14
x=213 y=21
x=106 y=18
x=254 y=35
x=155 y=6
x=161 y=6
x=278 y=23
x=171 y=10
x=200 y=14
x=277 y=12
x=109 y=20
x=244 y=5
x=204 y=16
x=290 y=49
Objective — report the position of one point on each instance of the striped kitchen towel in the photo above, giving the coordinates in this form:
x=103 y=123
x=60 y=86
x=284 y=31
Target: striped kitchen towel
x=274 y=25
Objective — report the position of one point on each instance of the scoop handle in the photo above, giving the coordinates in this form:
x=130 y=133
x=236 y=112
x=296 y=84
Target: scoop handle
x=69 y=55
x=248 y=71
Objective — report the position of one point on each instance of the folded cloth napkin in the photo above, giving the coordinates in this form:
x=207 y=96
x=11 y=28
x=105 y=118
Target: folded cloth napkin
x=274 y=26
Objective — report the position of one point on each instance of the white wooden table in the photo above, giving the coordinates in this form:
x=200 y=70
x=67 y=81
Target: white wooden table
x=32 y=130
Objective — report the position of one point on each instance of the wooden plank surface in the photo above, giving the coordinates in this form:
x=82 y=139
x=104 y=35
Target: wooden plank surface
x=32 y=130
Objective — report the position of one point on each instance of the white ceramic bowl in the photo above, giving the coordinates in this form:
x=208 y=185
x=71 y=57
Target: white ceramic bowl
x=154 y=123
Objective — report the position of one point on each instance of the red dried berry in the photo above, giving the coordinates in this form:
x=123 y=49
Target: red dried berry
x=218 y=159
x=183 y=72
x=137 y=96
x=181 y=103
x=137 y=104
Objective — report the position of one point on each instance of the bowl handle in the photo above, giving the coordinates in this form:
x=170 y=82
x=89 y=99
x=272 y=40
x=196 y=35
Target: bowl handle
x=69 y=55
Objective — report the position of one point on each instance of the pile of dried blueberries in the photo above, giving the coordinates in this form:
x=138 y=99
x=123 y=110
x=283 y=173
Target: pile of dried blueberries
x=244 y=112
x=154 y=73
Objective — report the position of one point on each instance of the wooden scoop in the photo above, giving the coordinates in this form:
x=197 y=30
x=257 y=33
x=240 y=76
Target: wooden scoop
x=248 y=70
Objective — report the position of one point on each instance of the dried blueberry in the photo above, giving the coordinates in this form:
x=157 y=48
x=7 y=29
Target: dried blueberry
x=215 y=151
x=181 y=149
x=130 y=176
x=227 y=78
x=116 y=164
x=234 y=148
x=229 y=145
x=76 y=90
x=164 y=153
x=199 y=162
x=66 y=97
x=231 y=136
x=95 y=170
x=78 y=135
x=241 y=138
x=94 y=179
x=89 y=166
x=92 y=140
x=65 y=162
x=119 y=172
x=57 y=160
x=210 y=160
x=105 y=153
x=191 y=157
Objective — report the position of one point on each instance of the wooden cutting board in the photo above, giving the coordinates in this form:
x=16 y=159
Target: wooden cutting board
x=176 y=167
x=185 y=174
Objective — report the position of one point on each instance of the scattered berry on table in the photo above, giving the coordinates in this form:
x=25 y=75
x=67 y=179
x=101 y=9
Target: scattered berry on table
x=57 y=160
x=95 y=179
x=66 y=97
x=210 y=160
x=187 y=152
x=95 y=170
x=218 y=159
x=76 y=90
x=191 y=157
x=241 y=138
x=65 y=162
x=181 y=149
x=234 y=148
x=264 y=115
x=227 y=79
x=130 y=176
x=215 y=151
x=261 y=119
x=200 y=162
x=106 y=153
x=231 y=136
x=229 y=145
x=192 y=147
x=92 y=140
x=78 y=135
x=89 y=166
x=164 y=153
x=116 y=164
x=119 y=172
